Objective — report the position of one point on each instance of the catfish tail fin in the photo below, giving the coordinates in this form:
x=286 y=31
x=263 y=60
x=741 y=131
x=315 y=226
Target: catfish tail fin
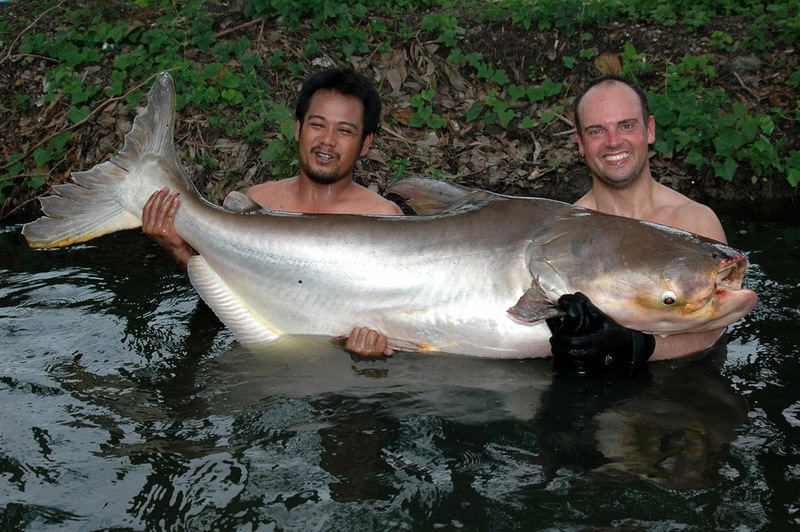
x=110 y=196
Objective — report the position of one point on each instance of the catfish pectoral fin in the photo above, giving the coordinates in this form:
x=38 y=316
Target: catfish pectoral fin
x=534 y=306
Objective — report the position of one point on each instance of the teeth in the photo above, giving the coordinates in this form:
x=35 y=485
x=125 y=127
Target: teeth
x=616 y=158
x=324 y=155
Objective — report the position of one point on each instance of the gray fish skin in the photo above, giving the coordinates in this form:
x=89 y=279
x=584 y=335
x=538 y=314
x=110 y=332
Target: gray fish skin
x=477 y=279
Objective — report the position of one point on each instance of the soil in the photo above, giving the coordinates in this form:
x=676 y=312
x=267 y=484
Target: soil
x=541 y=161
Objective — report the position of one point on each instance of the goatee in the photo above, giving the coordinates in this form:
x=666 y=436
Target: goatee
x=321 y=178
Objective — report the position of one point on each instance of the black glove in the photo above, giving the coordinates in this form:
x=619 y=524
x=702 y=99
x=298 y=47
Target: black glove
x=586 y=340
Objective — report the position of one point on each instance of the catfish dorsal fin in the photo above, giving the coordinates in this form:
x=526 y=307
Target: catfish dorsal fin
x=239 y=202
x=436 y=196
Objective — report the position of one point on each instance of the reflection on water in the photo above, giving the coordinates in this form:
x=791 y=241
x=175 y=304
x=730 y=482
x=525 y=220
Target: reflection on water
x=126 y=405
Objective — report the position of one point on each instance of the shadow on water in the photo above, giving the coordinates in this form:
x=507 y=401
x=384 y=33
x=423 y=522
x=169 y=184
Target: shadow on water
x=127 y=405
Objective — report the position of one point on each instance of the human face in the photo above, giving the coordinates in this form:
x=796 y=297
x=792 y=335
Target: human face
x=330 y=137
x=615 y=137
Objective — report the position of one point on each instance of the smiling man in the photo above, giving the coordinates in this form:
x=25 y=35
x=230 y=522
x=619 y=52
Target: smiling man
x=338 y=113
x=614 y=130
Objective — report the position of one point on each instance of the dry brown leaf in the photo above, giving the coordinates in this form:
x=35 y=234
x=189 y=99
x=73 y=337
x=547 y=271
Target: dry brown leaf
x=395 y=79
x=608 y=63
x=402 y=116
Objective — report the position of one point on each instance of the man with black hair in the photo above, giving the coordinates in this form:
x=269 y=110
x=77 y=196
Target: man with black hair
x=337 y=116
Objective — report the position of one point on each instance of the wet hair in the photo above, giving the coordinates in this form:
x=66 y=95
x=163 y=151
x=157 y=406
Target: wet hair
x=610 y=78
x=346 y=82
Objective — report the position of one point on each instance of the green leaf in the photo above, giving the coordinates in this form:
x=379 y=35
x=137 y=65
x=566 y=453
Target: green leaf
x=505 y=116
x=36 y=182
x=231 y=96
x=272 y=152
x=60 y=141
x=475 y=111
x=696 y=159
x=528 y=122
x=793 y=168
x=229 y=81
x=726 y=169
x=288 y=127
x=516 y=92
x=42 y=155
x=437 y=122
x=499 y=76
x=78 y=113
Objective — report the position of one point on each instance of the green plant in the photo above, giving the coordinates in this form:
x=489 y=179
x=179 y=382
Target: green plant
x=714 y=130
x=398 y=168
x=446 y=25
x=634 y=64
x=423 y=115
x=793 y=168
x=498 y=110
x=482 y=69
x=721 y=40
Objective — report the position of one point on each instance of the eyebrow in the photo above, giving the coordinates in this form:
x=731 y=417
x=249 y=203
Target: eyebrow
x=619 y=123
x=351 y=124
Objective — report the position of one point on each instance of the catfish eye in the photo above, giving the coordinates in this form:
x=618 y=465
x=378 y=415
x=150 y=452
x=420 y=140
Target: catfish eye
x=668 y=298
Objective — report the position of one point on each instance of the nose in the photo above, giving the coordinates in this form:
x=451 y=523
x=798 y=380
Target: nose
x=329 y=136
x=612 y=137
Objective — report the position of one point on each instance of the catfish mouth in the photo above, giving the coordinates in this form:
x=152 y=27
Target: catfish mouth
x=730 y=274
x=727 y=301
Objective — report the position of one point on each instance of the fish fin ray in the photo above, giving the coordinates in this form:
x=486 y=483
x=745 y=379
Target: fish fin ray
x=248 y=327
x=78 y=213
x=534 y=305
x=436 y=196
x=241 y=203
x=109 y=197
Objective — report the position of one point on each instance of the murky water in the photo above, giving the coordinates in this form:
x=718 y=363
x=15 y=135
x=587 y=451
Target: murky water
x=125 y=405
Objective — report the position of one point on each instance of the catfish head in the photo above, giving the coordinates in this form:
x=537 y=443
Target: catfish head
x=646 y=276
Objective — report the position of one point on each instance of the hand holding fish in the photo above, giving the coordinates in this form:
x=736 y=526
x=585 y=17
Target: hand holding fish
x=158 y=222
x=369 y=343
x=586 y=340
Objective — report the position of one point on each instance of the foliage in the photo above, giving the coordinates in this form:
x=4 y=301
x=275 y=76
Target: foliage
x=699 y=124
x=710 y=128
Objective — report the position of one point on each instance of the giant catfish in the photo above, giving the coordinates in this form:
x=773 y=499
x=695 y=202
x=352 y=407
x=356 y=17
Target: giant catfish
x=478 y=279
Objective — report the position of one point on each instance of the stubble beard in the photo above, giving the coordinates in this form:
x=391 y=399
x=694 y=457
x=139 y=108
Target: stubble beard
x=322 y=177
x=625 y=182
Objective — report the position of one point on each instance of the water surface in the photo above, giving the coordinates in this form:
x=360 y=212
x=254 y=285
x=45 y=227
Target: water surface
x=125 y=405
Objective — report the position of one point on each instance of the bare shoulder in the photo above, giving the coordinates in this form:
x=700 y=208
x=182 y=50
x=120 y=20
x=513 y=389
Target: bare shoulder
x=588 y=201
x=269 y=187
x=684 y=213
x=370 y=202
x=274 y=194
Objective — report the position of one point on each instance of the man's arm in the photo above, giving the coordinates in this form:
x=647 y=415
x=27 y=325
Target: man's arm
x=678 y=345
